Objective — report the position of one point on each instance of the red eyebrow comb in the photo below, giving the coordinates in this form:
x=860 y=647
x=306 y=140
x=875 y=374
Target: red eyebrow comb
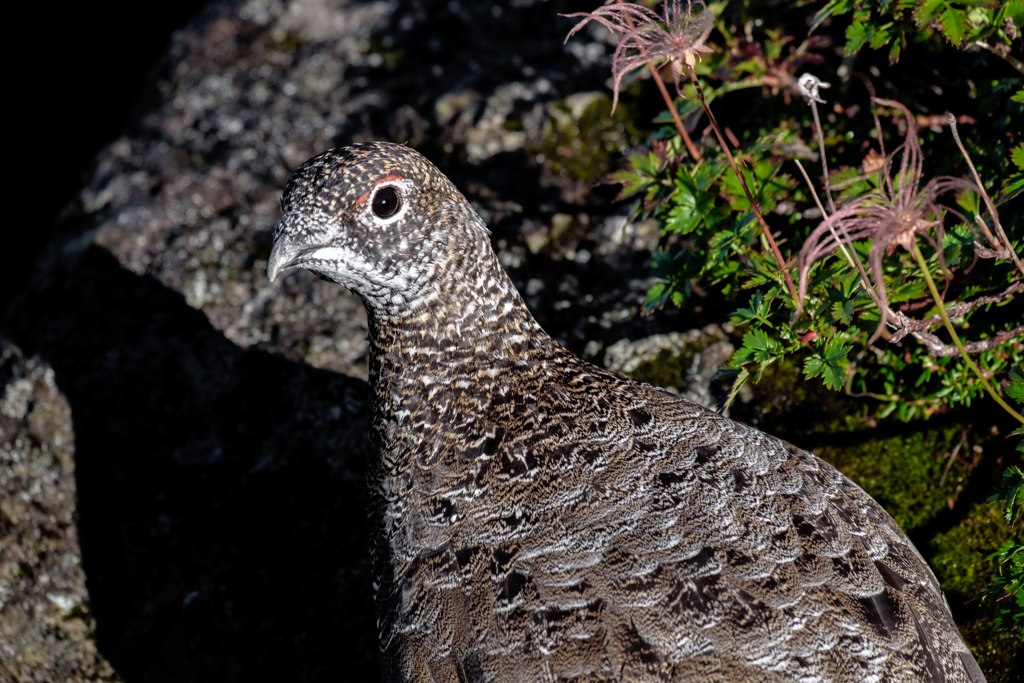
x=393 y=176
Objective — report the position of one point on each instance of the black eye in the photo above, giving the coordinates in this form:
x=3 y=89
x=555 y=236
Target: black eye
x=386 y=202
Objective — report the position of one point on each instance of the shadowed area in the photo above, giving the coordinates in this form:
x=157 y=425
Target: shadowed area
x=221 y=492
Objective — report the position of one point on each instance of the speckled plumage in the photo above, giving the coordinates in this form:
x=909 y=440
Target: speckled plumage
x=535 y=518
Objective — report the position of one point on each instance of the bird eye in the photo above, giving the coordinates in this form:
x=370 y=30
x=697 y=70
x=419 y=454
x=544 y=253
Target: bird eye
x=386 y=202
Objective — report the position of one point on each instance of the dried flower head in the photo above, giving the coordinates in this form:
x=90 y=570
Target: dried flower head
x=896 y=214
x=645 y=37
x=809 y=85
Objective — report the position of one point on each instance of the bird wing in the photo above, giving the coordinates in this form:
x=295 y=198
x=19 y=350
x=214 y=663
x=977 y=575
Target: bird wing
x=606 y=530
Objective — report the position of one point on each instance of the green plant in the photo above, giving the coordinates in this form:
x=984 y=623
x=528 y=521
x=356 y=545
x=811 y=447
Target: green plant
x=834 y=320
x=989 y=24
x=1008 y=584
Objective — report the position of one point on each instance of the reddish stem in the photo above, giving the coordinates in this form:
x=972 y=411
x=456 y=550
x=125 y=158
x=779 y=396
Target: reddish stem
x=675 y=114
x=743 y=182
x=668 y=100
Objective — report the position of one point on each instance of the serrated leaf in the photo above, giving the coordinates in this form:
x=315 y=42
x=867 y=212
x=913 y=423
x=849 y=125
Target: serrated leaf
x=881 y=36
x=758 y=310
x=1017 y=156
x=856 y=37
x=1015 y=390
x=830 y=364
x=682 y=218
x=835 y=350
x=834 y=376
x=843 y=311
x=1010 y=492
x=758 y=340
x=953 y=26
x=690 y=205
x=813 y=366
x=928 y=10
x=1018 y=96
x=720 y=239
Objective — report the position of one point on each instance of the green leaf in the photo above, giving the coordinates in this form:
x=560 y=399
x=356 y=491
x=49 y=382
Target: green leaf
x=1010 y=493
x=953 y=26
x=881 y=36
x=1016 y=387
x=1017 y=156
x=813 y=366
x=833 y=7
x=741 y=379
x=843 y=311
x=683 y=217
x=1018 y=96
x=856 y=37
x=835 y=350
x=656 y=296
x=894 y=49
x=691 y=205
x=1014 y=185
x=757 y=347
x=928 y=10
x=758 y=310
x=830 y=363
x=834 y=376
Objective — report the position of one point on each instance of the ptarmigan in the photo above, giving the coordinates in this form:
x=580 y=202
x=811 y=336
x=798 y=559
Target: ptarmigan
x=536 y=518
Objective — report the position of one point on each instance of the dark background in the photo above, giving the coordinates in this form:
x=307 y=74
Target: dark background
x=78 y=84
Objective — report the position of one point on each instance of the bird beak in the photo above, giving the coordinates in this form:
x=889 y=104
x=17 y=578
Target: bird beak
x=285 y=255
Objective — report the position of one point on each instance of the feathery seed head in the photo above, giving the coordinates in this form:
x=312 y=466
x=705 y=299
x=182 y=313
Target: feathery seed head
x=895 y=214
x=375 y=217
x=809 y=84
x=645 y=37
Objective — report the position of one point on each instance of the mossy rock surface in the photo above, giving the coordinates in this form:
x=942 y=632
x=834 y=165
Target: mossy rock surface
x=904 y=472
x=580 y=135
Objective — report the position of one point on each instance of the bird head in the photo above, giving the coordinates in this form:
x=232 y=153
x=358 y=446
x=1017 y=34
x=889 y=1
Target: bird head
x=379 y=219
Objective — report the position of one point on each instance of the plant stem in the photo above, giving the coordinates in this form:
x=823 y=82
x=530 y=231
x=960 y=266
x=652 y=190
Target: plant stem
x=839 y=243
x=956 y=339
x=988 y=202
x=743 y=183
x=675 y=114
x=821 y=150
x=1010 y=59
x=691 y=148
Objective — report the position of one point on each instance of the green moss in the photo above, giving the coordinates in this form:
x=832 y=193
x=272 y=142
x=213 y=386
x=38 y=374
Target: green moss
x=961 y=564
x=903 y=472
x=960 y=560
x=580 y=136
x=667 y=369
x=790 y=405
x=997 y=652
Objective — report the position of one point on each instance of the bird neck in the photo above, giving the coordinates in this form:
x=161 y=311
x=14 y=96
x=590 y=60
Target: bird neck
x=467 y=317
x=429 y=365
x=440 y=375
